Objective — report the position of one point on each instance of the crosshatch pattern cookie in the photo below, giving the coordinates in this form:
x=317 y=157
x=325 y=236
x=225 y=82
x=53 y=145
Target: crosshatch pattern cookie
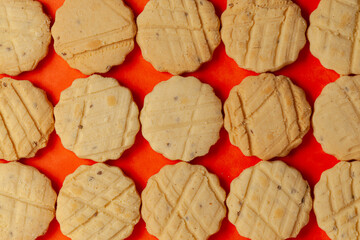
x=178 y=36
x=27 y=202
x=26 y=119
x=96 y=118
x=266 y=116
x=336 y=119
x=181 y=118
x=98 y=202
x=333 y=35
x=92 y=35
x=183 y=201
x=263 y=35
x=270 y=201
x=24 y=36
x=336 y=201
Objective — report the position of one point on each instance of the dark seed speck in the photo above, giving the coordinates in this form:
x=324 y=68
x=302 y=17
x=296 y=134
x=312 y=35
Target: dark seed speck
x=231 y=5
x=4 y=84
x=168 y=144
x=99 y=172
x=81 y=126
x=8 y=49
x=279 y=187
x=91 y=178
x=302 y=200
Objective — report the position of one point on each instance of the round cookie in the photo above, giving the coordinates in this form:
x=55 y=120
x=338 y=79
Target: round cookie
x=183 y=201
x=336 y=119
x=336 y=201
x=96 y=118
x=178 y=36
x=26 y=119
x=92 y=35
x=24 y=36
x=98 y=202
x=263 y=35
x=333 y=35
x=269 y=201
x=266 y=116
x=181 y=118
x=27 y=202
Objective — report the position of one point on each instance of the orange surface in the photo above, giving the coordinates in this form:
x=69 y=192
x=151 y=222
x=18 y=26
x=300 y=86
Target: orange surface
x=140 y=162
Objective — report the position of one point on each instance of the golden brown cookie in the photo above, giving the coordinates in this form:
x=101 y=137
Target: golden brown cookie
x=96 y=118
x=333 y=35
x=92 y=35
x=24 y=35
x=27 y=202
x=26 y=119
x=266 y=116
x=336 y=119
x=183 y=201
x=269 y=201
x=98 y=202
x=336 y=201
x=181 y=118
x=263 y=35
x=178 y=36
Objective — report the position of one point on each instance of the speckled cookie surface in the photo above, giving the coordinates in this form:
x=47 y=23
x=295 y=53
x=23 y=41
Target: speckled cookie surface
x=98 y=202
x=183 y=201
x=24 y=35
x=263 y=35
x=336 y=201
x=27 y=202
x=178 y=36
x=333 y=35
x=269 y=201
x=266 y=116
x=96 y=118
x=181 y=118
x=336 y=119
x=93 y=35
x=26 y=119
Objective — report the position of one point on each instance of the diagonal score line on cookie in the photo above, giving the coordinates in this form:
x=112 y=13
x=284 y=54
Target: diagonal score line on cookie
x=95 y=37
x=27 y=201
x=192 y=119
x=349 y=100
x=181 y=201
x=278 y=184
x=115 y=10
x=11 y=39
x=300 y=208
x=85 y=96
x=27 y=109
x=245 y=125
x=8 y=134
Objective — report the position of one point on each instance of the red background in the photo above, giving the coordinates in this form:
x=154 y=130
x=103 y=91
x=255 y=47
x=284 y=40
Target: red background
x=140 y=162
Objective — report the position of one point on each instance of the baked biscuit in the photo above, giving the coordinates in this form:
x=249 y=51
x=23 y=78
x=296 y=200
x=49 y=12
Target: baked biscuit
x=183 y=201
x=27 y=202
x=24 y=35
x=26 y=119
x=336 y=201
x=266 y=116
x=336 y=119
x=178 y=36
x=333 y=35
x=181 y=118
x=96 y=118
x=263 y=35
x=98 y=202
x=269 y=201
x=93 y=35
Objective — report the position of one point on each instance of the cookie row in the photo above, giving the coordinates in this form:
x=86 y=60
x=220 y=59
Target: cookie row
x=96 y=118
x=176 y=36
x=267 y=201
